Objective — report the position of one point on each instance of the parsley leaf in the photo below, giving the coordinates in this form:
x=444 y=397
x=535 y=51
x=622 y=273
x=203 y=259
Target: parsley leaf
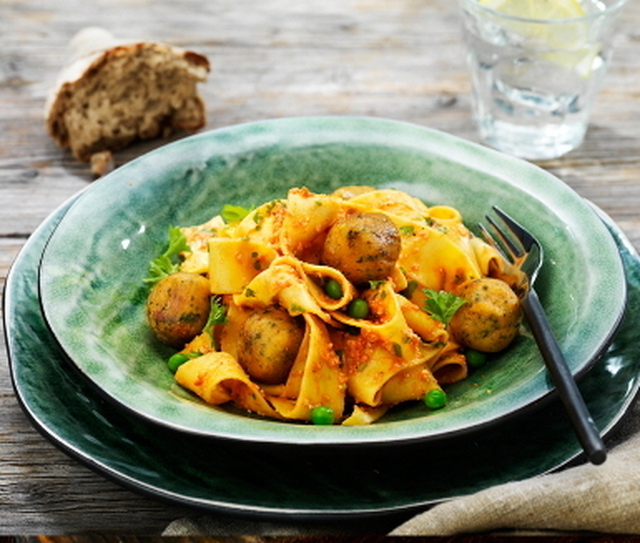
x=217 y=313
x=407 y=230
x=166 y=264
x=442 y=305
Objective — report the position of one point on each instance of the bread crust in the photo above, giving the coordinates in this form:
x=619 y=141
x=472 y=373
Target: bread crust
x=106 y=100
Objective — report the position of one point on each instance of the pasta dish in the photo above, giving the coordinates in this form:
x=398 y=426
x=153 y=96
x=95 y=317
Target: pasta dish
x=331 y=308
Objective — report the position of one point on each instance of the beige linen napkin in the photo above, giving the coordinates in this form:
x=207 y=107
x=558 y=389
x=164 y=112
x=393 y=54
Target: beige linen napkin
x=603 y=498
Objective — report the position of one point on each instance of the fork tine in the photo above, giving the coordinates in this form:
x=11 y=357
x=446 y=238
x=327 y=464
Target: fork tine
x=486 y=236
x=515 y=250
x=523 y=235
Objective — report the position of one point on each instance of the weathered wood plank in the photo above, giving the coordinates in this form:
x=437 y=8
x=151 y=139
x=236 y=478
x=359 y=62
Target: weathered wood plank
x=274 y=58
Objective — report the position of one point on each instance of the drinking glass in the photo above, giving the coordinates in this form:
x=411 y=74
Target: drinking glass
x=534 y=80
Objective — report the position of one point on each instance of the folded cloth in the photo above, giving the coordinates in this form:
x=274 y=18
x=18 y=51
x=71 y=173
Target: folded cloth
x=603 y=499
x=227 y=526
x=250 y=530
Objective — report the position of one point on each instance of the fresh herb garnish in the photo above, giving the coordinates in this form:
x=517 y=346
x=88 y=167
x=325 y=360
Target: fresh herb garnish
x=217 y=313
x=442 y=305
x=166 y=263
x=411 y=288
x=407 y=230
x=231 y=213
x=397 y=349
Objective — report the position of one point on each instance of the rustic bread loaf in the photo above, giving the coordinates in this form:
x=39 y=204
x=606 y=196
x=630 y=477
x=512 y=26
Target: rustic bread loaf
x=109 y=97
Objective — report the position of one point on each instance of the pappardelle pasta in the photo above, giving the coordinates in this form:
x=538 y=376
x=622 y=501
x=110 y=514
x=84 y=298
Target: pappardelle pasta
x=332 y=308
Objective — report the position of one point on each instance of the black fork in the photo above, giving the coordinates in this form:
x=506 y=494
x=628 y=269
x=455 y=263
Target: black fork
x=519 y=247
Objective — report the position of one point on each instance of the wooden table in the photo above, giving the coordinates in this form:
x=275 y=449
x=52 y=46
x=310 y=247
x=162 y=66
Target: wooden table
x=271 y=58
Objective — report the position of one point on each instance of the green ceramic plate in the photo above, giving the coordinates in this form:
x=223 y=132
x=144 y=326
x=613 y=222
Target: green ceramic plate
x=384 y=485
x=92 y=268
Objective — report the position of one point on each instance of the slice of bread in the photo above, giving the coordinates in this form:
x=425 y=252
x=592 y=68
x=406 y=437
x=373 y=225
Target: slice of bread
x=110 y=97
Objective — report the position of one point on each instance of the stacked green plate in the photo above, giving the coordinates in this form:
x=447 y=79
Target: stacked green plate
x=94 y=381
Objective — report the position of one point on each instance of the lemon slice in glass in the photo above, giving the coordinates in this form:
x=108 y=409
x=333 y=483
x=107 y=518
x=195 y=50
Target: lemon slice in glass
x=542 y=10
x=564 y=41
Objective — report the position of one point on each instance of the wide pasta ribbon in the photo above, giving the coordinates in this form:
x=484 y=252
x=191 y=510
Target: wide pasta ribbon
x=197 y=259
x=451 y=365
x=316 y=379
x=308 y=216
x=385 y=349
x=436 y=249
x=284 y=283
x=233 y=263
x=217 y=378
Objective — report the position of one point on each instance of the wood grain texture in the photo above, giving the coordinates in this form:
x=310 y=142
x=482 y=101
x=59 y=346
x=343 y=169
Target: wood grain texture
x=271 y=58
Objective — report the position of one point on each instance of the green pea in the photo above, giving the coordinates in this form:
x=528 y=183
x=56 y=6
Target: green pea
x=435 y=399
x=475 y=359
x=333 y=289
x=358 y=309
x=177 y=360
x=322 y=415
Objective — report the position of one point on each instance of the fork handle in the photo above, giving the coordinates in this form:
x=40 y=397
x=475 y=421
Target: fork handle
x=583 y=424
